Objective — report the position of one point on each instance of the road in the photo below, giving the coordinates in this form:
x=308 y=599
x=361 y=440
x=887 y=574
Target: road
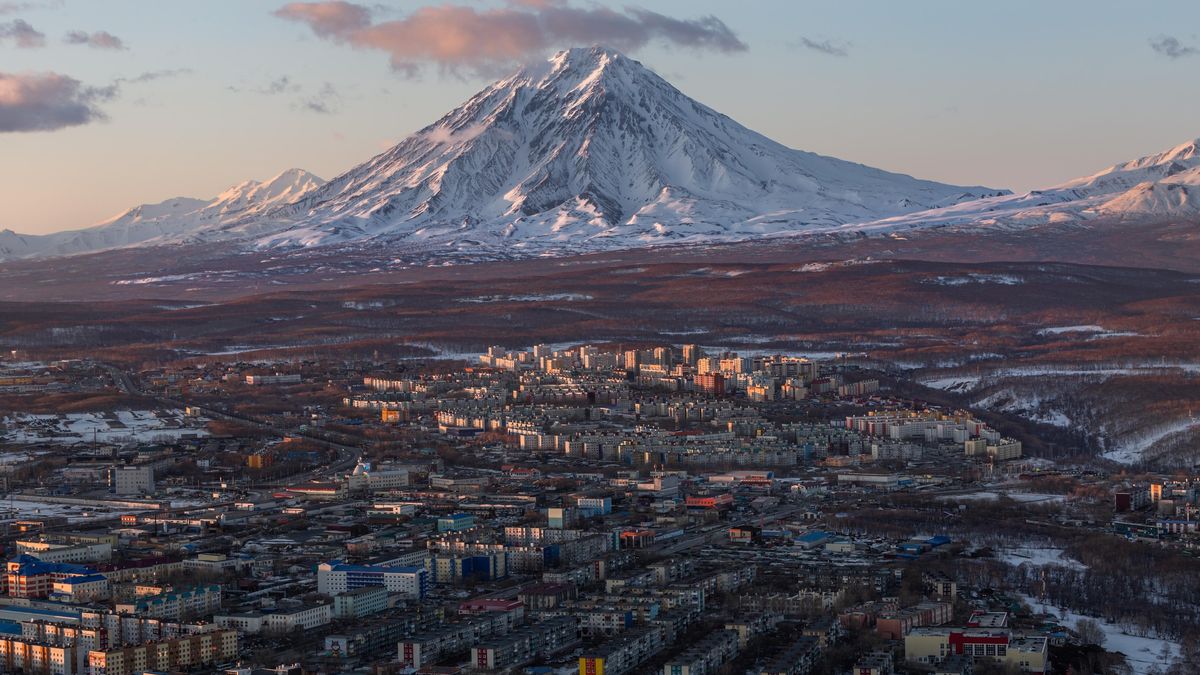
x=714 y=534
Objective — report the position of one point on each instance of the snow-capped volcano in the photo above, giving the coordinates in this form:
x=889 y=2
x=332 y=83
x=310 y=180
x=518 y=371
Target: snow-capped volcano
x=1162 y=186
x=588 y=150
x=166 y=221
x=593 y=150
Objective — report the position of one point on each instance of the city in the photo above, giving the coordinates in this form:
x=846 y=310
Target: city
x=585 y=337
x=664 y=508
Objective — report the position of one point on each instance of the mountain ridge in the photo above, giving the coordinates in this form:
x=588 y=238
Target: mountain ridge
x=592 y=151
x=164 y=221
x=1160 y=186
x=589 y=150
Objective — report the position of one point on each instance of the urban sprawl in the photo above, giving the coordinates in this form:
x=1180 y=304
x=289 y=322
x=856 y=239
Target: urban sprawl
x=597 y=510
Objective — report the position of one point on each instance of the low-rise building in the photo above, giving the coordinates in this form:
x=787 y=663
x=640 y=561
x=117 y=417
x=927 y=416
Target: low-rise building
x=930 y=645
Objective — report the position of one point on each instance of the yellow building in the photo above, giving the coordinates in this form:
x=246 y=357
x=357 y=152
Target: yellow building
x=931 y=645
x=259 y=460
x=23 y=656
x=1005 y=450
x=975 y=446
x=184 y=652
x=591 y=665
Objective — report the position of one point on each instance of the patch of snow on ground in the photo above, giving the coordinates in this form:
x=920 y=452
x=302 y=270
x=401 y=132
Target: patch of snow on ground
x=823 y=266
x=141 y=281
x=960 y=383
x=1037 y=556
x=22 y=365
x=175 y=308
x=17 y=509
x=993 y=495
x=243 y=349
x=1058 y=330
x=977 y=278
x=1130 y=450
x=551 y=297
x=119 y=426
x=814 y=267
x=1093 y=331
x=1142 y=653
x=1055 y=418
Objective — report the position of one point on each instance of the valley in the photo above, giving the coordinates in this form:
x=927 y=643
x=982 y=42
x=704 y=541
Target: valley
x=1060 y=348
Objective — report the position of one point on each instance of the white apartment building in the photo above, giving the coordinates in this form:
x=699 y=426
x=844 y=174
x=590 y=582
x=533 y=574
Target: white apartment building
x=133 y=480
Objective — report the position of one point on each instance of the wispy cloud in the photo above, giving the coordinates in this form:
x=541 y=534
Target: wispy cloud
x=280 y=85
x=1171 y=47
x=100 y=39
x=152 y=75
x=48 y=101
x=11 y=7
x=21 y=34
x=461 y=38
x=828 y=47
x=326 y=101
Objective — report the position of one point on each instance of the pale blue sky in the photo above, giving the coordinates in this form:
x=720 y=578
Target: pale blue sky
x=1005 y=94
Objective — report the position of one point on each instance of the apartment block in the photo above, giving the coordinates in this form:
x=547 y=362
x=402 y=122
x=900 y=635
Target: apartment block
x=181 y=653
x=360 y=602
x=623 y=653
x=525 y=644
x=335 y=577
x=706 y=656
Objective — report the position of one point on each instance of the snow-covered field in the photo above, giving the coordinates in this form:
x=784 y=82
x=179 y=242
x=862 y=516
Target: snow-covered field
x=1142 y=653
x=10 y=459
x=1092 y=331
x=1131 y=450
x=116 y=426
x=993 y=495
x=976 y=278
x=1038 y=556
x=551 y=297
x=968 y=381
x=1015 y=390
x=21 y=365
x=17 y=509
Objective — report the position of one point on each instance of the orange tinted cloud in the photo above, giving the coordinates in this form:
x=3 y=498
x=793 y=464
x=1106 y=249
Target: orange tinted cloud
x=463 y=38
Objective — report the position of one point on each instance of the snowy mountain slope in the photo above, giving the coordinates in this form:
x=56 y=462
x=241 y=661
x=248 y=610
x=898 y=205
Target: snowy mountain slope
x=166 y=221
x=593 y=150
x=1159 y=186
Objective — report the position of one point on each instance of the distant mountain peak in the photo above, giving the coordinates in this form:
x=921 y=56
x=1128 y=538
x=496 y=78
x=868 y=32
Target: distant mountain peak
x=1160 y=186
x=1188 y=150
